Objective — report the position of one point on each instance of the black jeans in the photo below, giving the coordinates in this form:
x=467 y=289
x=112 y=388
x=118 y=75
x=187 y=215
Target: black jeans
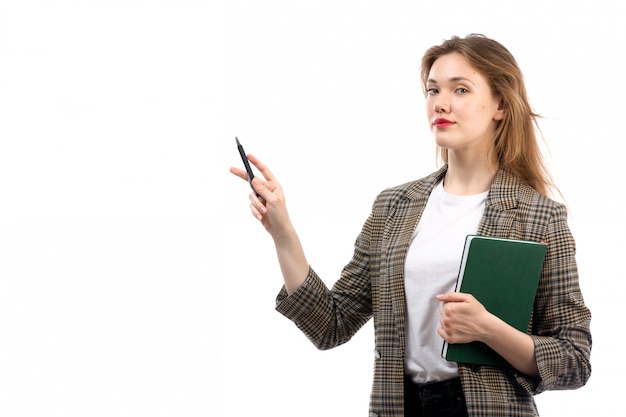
x=436 y=399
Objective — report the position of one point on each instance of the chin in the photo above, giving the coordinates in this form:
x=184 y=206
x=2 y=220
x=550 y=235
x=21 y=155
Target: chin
x=444 y=143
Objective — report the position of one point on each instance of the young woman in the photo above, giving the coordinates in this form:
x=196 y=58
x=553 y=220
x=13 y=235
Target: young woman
x=406 y=259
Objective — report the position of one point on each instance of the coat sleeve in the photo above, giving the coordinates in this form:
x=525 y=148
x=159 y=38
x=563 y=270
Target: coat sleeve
x=561 y=321
x=330 y=318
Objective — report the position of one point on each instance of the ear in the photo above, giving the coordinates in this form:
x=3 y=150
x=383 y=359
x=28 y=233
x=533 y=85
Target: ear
x=501 y=110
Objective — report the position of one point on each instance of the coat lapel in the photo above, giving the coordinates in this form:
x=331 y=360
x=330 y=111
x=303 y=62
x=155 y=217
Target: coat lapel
x=500 y=207
x=399 y=229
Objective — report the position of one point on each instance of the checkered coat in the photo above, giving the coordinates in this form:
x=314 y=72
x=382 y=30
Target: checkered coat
x=372 y=285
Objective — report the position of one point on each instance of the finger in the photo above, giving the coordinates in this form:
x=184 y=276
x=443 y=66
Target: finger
x=442 y=333
x=256 y=199
x=263 y=169
x=263 y=194
x=239 y=173
x=452 y=297
x=255 y=212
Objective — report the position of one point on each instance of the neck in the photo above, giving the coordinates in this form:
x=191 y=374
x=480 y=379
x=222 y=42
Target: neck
x=468 y=177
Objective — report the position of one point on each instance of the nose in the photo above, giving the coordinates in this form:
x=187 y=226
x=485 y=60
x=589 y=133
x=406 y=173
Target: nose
x=441 y=104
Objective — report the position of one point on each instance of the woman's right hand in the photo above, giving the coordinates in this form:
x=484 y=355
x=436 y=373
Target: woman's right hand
x=271 y=210
x=269 y=206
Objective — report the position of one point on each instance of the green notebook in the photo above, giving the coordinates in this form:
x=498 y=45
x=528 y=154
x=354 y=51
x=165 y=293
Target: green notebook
x=503 y=275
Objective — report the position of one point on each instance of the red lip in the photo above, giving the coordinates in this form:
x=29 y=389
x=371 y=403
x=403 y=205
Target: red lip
x=441 y=122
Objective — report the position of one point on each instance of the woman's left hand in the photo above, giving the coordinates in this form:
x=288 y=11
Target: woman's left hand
x=463 y=318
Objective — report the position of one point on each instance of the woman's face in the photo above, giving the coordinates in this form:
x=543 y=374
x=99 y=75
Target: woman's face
x=461 y=109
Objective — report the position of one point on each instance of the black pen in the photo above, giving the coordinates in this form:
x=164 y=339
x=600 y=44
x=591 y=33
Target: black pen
x=246 y=164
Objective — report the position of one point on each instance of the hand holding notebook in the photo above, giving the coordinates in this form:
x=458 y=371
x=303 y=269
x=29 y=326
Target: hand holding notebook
x=503 y=275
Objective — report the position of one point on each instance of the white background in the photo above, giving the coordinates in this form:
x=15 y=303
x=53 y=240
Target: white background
x=133 y=279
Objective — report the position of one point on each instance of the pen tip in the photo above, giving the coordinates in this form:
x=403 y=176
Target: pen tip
x=237 y=140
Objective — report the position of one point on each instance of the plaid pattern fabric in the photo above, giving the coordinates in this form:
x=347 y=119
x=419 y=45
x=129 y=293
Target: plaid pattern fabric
x=372 y=285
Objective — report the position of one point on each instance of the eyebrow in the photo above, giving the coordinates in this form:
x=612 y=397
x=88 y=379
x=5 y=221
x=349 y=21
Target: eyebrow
x=453 y=80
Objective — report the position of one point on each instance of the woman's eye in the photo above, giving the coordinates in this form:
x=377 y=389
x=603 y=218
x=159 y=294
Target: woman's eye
x=462 y=90
x=431 y=91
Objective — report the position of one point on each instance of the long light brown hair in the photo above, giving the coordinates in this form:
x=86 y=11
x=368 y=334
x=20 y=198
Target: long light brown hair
x=516 y=147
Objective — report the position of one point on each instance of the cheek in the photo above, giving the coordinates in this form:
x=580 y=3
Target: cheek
x=481 y=108
x=429 y=110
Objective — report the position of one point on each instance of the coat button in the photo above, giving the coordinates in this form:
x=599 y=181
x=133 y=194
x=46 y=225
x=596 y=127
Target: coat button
x=376 y=354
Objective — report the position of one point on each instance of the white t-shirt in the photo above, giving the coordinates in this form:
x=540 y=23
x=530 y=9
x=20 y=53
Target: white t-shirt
x=431 y=268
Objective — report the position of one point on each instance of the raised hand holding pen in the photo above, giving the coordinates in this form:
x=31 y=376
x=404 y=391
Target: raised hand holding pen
x=267 y=200
x=270 y=209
